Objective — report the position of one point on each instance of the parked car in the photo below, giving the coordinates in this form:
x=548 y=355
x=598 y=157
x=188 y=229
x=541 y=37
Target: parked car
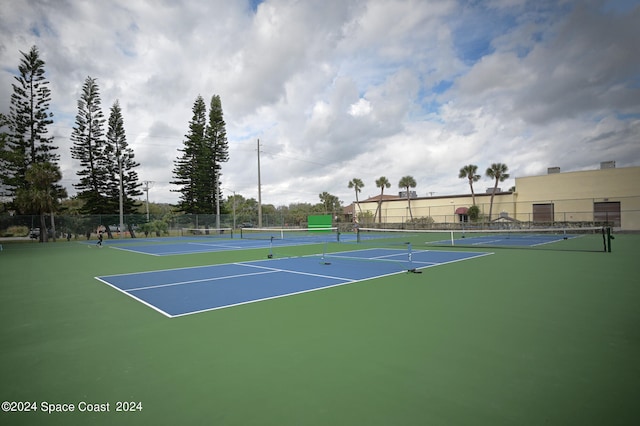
x=34 y=233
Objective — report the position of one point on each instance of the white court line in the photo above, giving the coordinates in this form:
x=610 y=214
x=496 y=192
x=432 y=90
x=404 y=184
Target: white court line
x=268 y=270
x=133 y=251
x=478 y=254
x=297 y=272
x=279 y=296
x=224 y=246
x=200 y=281
x=384 y=258
x=154 y=307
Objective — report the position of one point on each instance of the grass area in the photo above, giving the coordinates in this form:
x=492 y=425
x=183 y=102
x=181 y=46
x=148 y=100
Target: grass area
x=520 y=337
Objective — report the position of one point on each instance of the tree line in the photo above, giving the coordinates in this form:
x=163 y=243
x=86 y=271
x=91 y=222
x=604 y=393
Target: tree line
x=29 y=159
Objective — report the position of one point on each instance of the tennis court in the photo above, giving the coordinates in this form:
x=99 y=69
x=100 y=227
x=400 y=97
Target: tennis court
x=186 y=291
x=332 y=333
x=196 y=241
x=554 y=238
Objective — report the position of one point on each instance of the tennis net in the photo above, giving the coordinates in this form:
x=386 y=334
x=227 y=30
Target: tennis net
x=569 y=239
x=207 y=232
x=312 y=235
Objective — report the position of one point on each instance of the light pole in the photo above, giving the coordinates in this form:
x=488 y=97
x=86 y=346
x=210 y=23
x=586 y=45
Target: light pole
x=217 y=202
x=146 y=189
x=120 y=190
x=259 y=190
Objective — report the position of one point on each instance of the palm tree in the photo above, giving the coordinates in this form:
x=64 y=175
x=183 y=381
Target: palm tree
x=406 y=183
x=41 y=195
x=470 y=172
x=357 y=185
x=497 y=171
x=381 y=183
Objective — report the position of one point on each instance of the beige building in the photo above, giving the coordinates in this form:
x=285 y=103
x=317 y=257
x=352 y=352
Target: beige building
x=585 y=198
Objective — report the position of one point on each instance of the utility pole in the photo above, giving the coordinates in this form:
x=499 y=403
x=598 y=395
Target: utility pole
x=147 y=185
x=259 y=190
x=217 y=202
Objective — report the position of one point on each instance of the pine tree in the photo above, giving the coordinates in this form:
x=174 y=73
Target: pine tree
x=4 y=137
x=118 y=152
x=89 y=148
x=197 y=171
x=216 y=148
x=27 y=141
x=188 y=171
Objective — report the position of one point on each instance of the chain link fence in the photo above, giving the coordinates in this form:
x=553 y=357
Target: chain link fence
x=137 y=225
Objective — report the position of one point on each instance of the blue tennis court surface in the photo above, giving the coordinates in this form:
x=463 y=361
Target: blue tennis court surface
x=185 y=291
x=169 y=246
x=514 y=240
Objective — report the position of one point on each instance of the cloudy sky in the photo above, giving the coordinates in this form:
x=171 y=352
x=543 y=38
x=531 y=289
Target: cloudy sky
x=343 y=89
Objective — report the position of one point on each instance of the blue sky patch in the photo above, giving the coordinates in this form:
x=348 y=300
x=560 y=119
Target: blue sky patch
x=254 y=4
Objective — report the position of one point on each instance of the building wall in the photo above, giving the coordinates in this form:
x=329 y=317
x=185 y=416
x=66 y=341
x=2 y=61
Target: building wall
x=601 y=183
x=440 y=209
x=572 y=194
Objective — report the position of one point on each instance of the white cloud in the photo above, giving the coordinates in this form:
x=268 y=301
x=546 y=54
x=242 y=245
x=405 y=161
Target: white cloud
x=360 y=108
x=342 y=89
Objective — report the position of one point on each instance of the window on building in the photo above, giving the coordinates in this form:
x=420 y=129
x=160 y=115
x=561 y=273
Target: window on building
x=543 y=213
x=607 y=213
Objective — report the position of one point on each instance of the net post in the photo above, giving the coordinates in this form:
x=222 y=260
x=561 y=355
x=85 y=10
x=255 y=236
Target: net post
x=270 y=255
x=411 y=269
x=357 y=235
x=324 y=254
x=609 y=238
x=452 y=239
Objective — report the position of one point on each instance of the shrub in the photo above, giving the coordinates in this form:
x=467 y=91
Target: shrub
x=474 y=213
x=15 y=231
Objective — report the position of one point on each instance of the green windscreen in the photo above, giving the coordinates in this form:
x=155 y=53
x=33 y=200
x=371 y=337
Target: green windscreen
x=319 y=221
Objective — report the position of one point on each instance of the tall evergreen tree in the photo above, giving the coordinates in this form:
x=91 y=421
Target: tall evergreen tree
x=119 y=154
x=216 y=148
x=28 y=140
x=198 y=169
x=4 y=137
x=89 y=148
x=188 y=173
